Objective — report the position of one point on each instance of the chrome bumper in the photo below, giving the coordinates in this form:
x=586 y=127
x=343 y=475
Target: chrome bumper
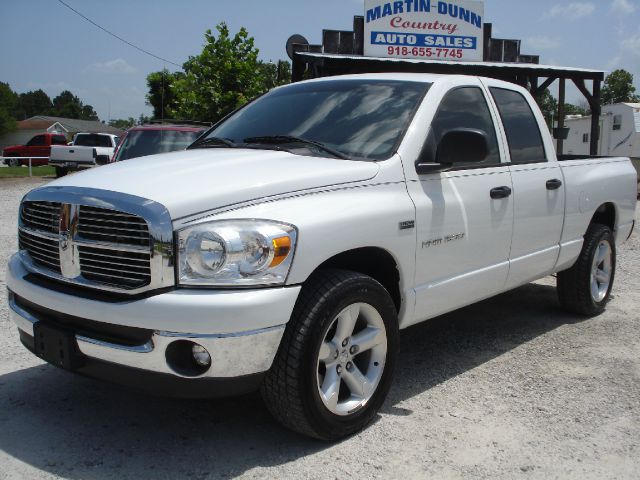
x=232 y=355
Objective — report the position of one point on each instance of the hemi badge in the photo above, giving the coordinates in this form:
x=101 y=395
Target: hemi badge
x=407 y=225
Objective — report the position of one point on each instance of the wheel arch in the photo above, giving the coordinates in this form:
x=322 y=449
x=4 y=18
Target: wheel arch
x=375 y=262
x=606 y=214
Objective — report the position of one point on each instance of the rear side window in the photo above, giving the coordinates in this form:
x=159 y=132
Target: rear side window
x=37 y=141
x=521 y=126
x=58 y=140
x=464 y=107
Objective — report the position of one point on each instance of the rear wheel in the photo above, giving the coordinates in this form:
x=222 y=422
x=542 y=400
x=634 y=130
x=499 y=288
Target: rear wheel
x=586 y=287
x=14 y=162
x=61 y=171
x=335 y=363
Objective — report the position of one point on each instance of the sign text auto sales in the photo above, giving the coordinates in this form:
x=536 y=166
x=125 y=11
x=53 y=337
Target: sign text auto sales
x=427 y=29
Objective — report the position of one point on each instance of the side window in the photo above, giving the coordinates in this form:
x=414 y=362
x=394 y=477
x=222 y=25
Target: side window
x=464 y=107
x=58 y=140
x=37 y=141
x=617 y=122
x=521 y=126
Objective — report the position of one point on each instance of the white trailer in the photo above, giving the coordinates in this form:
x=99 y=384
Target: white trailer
x=619 y=133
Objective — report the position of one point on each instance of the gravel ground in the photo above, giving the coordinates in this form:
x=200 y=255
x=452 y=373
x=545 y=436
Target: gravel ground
x=508 y=388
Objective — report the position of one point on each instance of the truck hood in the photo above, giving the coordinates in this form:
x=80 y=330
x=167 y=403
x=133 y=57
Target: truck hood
x=194 y=181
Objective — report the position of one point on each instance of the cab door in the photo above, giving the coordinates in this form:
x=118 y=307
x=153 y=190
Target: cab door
x=539 y=198
x=37 y=147
x=464 y=216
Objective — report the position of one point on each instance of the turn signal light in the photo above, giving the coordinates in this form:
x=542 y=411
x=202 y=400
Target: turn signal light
x=281 y=247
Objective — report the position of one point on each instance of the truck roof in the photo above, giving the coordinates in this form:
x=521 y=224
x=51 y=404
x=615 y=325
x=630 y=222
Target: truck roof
x=408 y=77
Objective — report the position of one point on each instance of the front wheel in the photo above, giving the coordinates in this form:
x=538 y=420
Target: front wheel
x=586 y=287
x=335 y=363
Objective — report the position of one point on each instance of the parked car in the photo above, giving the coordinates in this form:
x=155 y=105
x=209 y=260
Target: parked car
x=156 y=138
x=87 y=150
x=285 y=249
x=38 y=146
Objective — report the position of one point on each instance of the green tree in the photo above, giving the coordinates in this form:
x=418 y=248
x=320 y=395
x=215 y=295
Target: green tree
x=34 y=103
x=67 y=105
x=549 y=106
x=122 y=123
x=274 y=75
x=8 y=106
x=163 y=94
x=570 y=109
x=618 y=88
x=226 y=75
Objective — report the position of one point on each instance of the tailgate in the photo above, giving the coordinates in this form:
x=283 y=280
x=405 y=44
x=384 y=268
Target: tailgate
x=72 y=154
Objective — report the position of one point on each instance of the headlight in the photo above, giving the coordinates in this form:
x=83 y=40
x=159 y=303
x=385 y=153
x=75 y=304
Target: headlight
x=231 y=253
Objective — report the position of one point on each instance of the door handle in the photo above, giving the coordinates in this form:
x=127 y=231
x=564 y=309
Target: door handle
x=500 y=192
x=554 y=184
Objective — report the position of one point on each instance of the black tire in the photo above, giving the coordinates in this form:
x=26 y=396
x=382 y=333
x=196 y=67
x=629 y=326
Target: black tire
x=14 y=162
x=574 y=284
x=61 y=171
x=290 y=389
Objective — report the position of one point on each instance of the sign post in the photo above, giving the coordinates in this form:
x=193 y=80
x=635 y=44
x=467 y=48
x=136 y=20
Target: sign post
x=425 y=29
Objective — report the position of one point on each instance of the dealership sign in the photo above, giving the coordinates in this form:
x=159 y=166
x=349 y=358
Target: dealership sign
x=426 y=29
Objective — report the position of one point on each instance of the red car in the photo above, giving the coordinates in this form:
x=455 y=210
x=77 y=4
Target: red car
x=156 y=138
x=38 y=146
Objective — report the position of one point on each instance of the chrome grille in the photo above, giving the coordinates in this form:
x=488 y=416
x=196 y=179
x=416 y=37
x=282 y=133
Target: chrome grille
x=103 y=225
x=44 y=251
x=41 y=216
x=112 y=267
x=87 y=245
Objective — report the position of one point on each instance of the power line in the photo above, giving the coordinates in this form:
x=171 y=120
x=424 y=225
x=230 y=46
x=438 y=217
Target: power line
x=116 y=36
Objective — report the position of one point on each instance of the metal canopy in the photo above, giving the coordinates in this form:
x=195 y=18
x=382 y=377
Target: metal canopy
x=355 y=63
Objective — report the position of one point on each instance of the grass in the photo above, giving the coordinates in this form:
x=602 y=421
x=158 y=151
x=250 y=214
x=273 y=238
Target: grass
x=13 y=172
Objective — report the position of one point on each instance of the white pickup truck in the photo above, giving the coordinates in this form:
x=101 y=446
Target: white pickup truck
x=285 y=249
x=87 y=150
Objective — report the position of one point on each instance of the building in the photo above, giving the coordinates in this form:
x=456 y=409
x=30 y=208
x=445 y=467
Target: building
x=619 y=133
x=41 y=124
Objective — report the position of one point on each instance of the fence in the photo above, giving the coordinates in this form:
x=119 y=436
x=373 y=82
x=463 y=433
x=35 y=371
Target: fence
x=2 y=160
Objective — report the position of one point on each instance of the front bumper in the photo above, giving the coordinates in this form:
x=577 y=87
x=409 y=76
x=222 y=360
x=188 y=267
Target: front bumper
x=241 y=330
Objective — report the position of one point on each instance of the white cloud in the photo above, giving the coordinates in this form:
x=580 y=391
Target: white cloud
x=111 y=66
x=623 y=7
x=543 y=42
x=632 y=44
x=572 y=11
x=614 y=63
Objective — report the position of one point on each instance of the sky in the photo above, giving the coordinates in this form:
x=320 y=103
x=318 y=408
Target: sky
x=45 y=45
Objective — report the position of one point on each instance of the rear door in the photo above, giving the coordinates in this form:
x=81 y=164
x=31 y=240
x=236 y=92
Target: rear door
x=463 y=234
x=539 y=193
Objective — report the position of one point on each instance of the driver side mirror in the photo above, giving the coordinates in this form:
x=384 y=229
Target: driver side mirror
x=458 y=146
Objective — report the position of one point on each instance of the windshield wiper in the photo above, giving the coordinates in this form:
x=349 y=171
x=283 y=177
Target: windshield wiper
x=213 y=142
x=279 y=139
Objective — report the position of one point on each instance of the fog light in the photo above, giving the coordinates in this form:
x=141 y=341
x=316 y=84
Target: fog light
x=200 y=355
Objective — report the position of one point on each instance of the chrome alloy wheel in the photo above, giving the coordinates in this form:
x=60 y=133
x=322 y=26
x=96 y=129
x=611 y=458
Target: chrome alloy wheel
x=601 y=270
x=351 y=359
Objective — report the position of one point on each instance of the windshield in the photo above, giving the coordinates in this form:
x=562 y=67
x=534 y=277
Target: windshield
x=365 y=119
x=140 y=143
